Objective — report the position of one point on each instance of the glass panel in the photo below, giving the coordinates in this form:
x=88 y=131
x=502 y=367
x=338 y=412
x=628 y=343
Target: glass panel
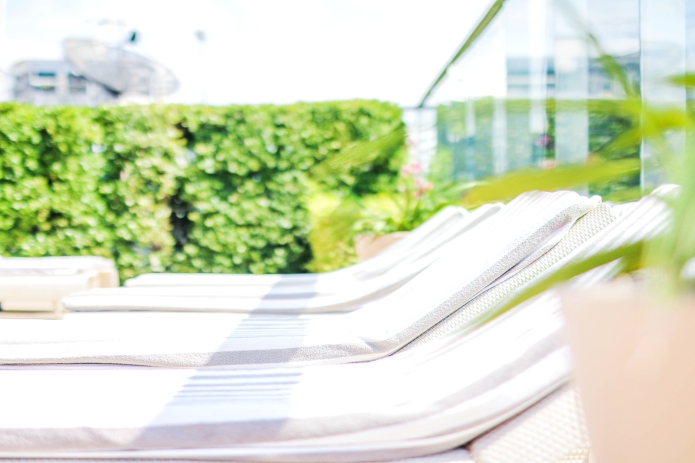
x=690 y=42
x=492 y=114
x=571 y=84
x=532 y=91
x=663 y=55
x=616 y=26
x=518 y=109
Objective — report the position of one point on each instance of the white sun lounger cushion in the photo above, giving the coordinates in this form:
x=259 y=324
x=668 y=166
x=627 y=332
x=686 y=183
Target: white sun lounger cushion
x=584 y=230
x=415 y=403
x=382 y=412
x=37 y=285
x=429 y=231
x=361 y=411
x=322 y=297
x=54 y=266
x=475 y=261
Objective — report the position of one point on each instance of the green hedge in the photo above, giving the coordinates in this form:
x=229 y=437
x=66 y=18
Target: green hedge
x=144 y=158
x=49 y=204
x=246 y=182
x=180 y=188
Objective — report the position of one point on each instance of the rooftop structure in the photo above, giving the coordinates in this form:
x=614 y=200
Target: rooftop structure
x=93 y=73
x=45 y=83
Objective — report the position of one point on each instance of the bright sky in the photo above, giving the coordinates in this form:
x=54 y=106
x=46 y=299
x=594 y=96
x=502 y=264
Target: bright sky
x=263 y=51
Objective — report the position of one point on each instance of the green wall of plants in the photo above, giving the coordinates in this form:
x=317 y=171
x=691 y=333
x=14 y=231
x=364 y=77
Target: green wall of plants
x=179 y=188
x=49 y=178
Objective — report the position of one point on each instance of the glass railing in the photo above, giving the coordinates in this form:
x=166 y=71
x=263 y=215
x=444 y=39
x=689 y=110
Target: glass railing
x=535 y=89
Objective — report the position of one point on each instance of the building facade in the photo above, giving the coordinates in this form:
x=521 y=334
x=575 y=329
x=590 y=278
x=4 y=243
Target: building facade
x=45 y=83
x=92 y=73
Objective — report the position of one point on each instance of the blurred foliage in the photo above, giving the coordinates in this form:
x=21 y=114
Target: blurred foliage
x=247 y=183
x=663 y=258
x=49 y=176
x=331 y=235
x=412 y=199
x=166 y=187
x=606 y=122
x=508 y=186
x=144 y=156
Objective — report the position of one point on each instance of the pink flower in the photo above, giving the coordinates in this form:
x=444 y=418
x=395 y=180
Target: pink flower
x=411 y=169
x=422 y=186
x=543 y=141
x=548 y=164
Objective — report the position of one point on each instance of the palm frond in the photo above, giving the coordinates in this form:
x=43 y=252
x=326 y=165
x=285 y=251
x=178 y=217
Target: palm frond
x=629 y=255
x=360 y=154
x=513 y=184
x=683 y=80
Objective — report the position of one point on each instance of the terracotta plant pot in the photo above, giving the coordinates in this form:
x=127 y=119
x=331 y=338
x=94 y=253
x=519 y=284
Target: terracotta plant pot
x=635 y=367
x=368 y=246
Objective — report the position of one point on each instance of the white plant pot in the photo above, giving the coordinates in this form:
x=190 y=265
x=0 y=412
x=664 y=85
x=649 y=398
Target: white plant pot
x=635 y=367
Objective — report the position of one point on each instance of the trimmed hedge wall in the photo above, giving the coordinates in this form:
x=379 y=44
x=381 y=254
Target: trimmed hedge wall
x=144 y=158
x=49 y=203
x=178 y=188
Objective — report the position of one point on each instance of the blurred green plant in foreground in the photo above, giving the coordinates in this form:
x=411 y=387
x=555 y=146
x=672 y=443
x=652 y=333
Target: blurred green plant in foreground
x=405 y=203
x=611 y=162
x=663 y=259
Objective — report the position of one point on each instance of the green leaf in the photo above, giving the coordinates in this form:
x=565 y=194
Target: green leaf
x=361 y=154
x=684 y=80
x=563 y=177
x=630 y=256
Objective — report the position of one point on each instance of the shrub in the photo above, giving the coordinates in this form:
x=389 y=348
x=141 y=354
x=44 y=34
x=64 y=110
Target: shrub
x=49 y=204
x=181 y=188
x=245 y=190
x=144 y=157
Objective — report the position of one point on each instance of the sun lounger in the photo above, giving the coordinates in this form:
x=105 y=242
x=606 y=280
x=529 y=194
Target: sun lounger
x=551 y=431
x=451 y=456
x=324 y=296
x=396 y=408
x=527 y=228
x=428 y=399
x=424 y=236
x=36 y=285
x=249 y=415
x=586 y=229
x=292 y=415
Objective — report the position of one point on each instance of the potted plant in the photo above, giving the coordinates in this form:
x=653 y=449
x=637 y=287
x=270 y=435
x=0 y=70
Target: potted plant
x=372 y=222
x=633 y=339
x=398 y=213
x=634 y=357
